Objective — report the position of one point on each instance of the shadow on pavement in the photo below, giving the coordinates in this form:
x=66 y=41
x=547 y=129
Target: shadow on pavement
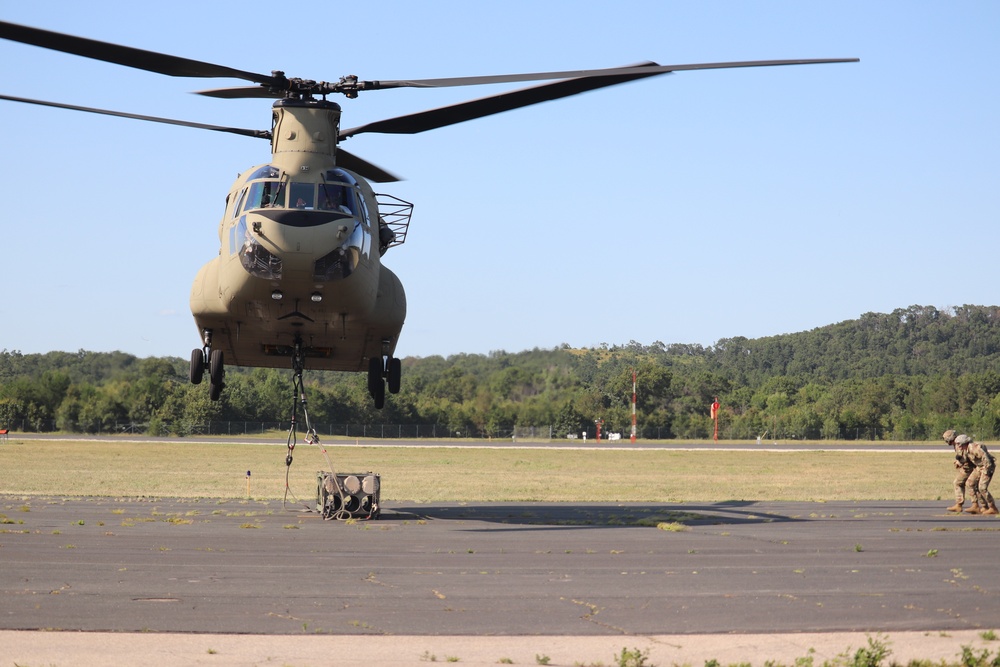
x=592 y=515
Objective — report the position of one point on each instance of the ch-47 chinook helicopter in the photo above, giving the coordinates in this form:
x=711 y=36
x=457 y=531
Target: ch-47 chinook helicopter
x=299 y=274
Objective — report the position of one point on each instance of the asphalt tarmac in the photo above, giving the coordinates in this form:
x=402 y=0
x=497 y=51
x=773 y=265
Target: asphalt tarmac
x=247 y=582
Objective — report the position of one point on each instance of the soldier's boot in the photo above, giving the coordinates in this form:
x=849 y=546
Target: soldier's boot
x=992 y=509
x=957 y=507
x=974 y=509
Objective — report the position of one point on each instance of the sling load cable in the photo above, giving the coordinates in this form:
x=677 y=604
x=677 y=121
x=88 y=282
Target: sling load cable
x=311 y=436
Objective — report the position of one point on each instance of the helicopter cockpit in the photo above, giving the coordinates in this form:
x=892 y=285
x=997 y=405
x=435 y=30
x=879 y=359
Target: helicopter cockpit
x=335 y=194
x=302 y=204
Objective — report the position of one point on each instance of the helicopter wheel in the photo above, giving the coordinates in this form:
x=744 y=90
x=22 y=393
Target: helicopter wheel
x=216 y=371
x=214 y=392
x=197 y=366
x=375 y=370
x=394 y=371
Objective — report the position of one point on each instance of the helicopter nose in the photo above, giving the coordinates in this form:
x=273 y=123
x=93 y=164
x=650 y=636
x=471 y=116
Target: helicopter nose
x=299 y=242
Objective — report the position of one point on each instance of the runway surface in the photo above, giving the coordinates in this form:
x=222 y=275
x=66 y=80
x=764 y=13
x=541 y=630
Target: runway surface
x=935 y=447
x=494 y=577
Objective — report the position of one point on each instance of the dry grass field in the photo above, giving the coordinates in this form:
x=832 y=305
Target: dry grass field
x=431 y=474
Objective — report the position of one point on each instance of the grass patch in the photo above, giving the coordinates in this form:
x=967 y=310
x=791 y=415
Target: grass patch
x=218 y=470
x=672 y=527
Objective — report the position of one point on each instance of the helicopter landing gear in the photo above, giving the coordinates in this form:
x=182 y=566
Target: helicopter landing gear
x=197 y=365
x=212 y=360
x=383 y=371
x=393 y=373
x=216 y=371
x=376 y=383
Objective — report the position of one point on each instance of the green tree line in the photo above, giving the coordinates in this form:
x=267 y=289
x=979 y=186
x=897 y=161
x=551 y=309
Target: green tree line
x=908 y=374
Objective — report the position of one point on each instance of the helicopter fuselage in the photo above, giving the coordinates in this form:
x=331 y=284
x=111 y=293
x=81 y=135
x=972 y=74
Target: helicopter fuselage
x=299 y=262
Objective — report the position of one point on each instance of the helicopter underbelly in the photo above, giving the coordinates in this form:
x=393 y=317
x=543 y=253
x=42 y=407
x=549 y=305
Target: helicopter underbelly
x=355 y=319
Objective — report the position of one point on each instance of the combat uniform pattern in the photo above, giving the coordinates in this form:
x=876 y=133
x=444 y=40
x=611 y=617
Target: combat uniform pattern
x=978 y=483
x=964 y=469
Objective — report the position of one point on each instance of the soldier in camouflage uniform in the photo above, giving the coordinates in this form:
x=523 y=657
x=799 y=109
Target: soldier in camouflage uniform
x=978 y=484
x=964 y=468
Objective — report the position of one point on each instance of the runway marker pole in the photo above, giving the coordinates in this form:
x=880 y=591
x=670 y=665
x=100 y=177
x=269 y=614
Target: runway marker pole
x=715 y=418
x=633 y=406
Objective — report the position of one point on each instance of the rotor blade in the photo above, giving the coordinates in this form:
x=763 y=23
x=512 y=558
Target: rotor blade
x=648 y=68
x=261 y=134
x=126 y=55
x=591 y=80
x=239 y=93
x=487 y=106
x=344 y=158
x=364 y=168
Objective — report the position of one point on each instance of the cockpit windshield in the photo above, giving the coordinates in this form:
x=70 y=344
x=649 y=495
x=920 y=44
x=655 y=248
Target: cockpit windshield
x=301 y=195
x=338 y=192
x=337 y=197
x=265 y=194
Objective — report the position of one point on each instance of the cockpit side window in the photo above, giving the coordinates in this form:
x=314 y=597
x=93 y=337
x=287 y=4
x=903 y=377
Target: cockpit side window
x=239 y=202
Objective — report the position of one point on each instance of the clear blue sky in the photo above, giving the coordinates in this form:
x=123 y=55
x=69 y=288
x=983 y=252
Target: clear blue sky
x=684 y=209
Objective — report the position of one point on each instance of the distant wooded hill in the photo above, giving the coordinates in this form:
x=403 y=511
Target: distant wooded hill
x=908 y=374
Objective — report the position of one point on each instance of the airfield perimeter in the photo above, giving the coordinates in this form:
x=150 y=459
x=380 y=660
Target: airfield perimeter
x=250 y=582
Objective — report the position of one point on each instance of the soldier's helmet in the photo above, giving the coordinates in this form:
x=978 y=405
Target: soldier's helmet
x=963 y=440
x=948 y=436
